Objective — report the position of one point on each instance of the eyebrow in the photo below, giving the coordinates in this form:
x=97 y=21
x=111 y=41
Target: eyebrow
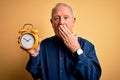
x=58 y=15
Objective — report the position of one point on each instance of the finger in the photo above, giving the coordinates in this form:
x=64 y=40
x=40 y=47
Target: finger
x=63 y=37
x=67 y=30
x=63 y=31
x=37 y=48
x=30 y=51
x=39 y=40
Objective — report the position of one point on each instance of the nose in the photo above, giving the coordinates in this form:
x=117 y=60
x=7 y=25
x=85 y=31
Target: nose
x=62 y=21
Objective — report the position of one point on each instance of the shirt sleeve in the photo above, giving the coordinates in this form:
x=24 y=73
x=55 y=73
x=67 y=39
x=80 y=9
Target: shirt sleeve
x=33 y=66
x=87 y=66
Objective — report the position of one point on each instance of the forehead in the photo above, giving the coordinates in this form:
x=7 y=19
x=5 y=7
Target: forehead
x=62 y=10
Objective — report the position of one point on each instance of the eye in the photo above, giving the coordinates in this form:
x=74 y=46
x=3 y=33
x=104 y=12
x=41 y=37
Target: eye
x=56 y=18
x=66 y=17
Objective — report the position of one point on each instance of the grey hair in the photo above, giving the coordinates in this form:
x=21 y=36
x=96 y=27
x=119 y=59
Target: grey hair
x=59 y=4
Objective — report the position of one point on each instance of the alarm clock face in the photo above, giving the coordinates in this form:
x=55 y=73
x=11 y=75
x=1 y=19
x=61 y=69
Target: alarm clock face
x=27 y=41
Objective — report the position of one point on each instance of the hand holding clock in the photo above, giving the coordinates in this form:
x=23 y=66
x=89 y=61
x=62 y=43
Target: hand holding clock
x=34 y=52
x=28 y=41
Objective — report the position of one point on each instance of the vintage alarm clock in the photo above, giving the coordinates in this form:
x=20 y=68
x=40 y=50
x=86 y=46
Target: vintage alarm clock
x=28 y=38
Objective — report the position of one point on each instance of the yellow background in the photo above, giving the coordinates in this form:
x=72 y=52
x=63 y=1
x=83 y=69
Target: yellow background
x=97 y=20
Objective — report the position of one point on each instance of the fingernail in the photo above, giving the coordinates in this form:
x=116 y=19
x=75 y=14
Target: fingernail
x=59 y=28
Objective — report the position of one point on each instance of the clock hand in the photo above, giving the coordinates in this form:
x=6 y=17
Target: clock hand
x=28 y=39
x=25 y=39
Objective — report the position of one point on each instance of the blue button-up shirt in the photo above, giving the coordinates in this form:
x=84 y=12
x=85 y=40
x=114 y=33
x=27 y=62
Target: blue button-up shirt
x=56 y=62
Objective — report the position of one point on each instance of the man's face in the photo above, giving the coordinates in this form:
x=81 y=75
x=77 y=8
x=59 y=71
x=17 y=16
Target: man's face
x=64 y=17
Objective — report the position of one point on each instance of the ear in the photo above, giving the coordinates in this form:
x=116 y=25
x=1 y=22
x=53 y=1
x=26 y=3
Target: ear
x=51 y=21
x=74 y=19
